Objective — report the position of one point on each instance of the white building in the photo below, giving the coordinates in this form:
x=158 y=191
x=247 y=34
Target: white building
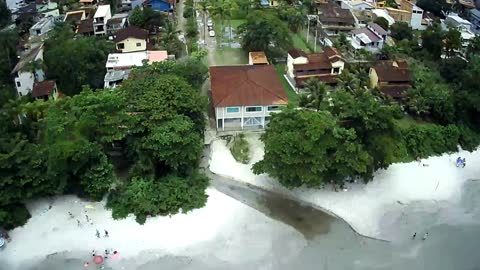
x=382 y=13
x=25 y=77
x=245 y=96
x=356 y=5
x=462 y=25
x=371 y=38
x=119 y=64
x=42 y=27
x=325 y=66
x=102 y=15
x=417 y=17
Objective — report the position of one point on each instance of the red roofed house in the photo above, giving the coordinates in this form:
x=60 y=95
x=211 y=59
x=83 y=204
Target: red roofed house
x=45 y=90
x=392 y=78
x=325 y=66
x=244 y=96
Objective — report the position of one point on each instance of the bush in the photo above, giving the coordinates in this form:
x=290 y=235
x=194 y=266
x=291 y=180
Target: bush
x=240 y=149
x=430 y=139
x=13 y=215
x=164 y=196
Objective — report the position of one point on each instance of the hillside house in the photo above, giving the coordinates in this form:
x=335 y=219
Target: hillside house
x=371 y=38
x=26 y=74
x=325 y=66
x=334 y=20
x=131 y=39
x=102 y=15
x=392 y=78
x=244 y=96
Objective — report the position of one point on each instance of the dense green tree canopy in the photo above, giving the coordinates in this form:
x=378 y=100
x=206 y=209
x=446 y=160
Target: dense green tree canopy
x=156 y=121
x=265 y=32
x=437 y=7
x=76 y=62
x=432 y=40
x=400 y=31
x=303 y=147
x=5 y=14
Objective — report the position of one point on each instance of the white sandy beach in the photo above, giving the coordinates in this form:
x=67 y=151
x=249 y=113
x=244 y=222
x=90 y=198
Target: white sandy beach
x=366 y=207
x=224 y=229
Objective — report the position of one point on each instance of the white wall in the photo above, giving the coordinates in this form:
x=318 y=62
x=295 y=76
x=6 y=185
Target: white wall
x=130 y=45
x=221 y=113
x=296 y=61
x=416 y=20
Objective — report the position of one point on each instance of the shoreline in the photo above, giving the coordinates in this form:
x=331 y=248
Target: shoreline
x=307 y=203
x=365 y=206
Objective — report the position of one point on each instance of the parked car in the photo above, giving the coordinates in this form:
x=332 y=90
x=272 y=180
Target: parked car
x=209 y=23
x=211 y=33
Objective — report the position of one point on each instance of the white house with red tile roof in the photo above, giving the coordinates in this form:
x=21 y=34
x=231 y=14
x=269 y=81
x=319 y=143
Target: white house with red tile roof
x=243 y=97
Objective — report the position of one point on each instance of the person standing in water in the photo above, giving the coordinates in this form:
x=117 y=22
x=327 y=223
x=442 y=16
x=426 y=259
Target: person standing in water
x=414 y=235
x=97 y=234
x=425 y=236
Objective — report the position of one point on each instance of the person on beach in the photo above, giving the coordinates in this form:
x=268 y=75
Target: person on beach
x=97 y=234
x=86 y=264
x=459 y=161
x=93 y=253
x=414 y=235
x=88 y=219
x=425 y=236
x=106 y=233
x=71 y=215
x=464 y=163
x=79 y=223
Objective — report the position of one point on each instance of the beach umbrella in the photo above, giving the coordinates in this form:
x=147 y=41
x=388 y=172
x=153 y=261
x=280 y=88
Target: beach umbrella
x=98 y=259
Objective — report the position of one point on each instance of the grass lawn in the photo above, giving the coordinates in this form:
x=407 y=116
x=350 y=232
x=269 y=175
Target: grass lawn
x=299 y=43
x=292 y=96
x=229 y=56
x=240 y=149
x=236 y=23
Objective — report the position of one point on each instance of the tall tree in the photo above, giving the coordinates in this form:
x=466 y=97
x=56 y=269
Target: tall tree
x=169 y=39
x=437 y=7
x=265 y=32
x=400 y=31
x=432 y=40
x=453 y=41
x=303 y=147
x=315 y=94
x=76 y=62
x=5 y=14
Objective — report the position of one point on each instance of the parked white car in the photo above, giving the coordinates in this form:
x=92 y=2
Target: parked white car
x=209 y=22
x=211 y=33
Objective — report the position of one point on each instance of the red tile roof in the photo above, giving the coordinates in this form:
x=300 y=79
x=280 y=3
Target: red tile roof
x=247 y=85
x=392 y=71
x=131 y=32
x=395 y=91
x=44 y=88
x=295 y=53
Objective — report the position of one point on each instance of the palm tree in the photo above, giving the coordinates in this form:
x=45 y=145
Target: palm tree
x=218 y=11
x=169 y=38
x=316 y=91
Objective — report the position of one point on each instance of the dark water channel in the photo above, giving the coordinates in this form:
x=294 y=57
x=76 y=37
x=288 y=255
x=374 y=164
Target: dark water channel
x=307 y=220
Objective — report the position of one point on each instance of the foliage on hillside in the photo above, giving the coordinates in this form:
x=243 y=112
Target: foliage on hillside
x=64 y=146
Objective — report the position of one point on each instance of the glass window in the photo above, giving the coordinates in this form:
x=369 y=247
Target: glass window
x=121 y=46
x=18 y=84
x=233 y=109
x=139 y=44
x=254 y=109
x=273 y=108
